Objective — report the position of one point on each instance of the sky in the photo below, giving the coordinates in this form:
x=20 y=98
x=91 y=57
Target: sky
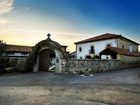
x=26 y=22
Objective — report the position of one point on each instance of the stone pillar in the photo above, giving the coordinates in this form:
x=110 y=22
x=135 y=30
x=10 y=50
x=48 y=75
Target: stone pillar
x=62 y=66
x=36 y=66
x=57 y=62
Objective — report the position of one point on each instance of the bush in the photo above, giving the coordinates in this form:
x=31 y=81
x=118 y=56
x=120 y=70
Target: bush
x=96 y=57
x=28 y=67
x=13 y=62
x=20 y=66
x=4 y=62
x=88 y=57
x=1 y=70
x=1 y=65
x=10 y=69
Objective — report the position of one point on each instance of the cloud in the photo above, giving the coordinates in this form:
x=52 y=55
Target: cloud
x=3 y=22
x=6 y=6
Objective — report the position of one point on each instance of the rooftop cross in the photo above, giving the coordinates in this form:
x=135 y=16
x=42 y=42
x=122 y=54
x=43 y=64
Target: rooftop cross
x=49 y=35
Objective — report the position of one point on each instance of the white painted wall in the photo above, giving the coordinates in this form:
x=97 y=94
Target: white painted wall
x=98 y=46
x=18 y=54
x=105 y=57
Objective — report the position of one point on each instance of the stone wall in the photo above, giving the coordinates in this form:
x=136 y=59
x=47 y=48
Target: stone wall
x=92 y=66
x=126 y=44
x=129 y=61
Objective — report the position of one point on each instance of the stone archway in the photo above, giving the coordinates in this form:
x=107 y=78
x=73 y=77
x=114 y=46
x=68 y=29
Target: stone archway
x=45 y=59
x=48 y=52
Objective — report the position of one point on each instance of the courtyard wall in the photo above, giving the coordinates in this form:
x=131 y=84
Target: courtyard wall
x=92 y=66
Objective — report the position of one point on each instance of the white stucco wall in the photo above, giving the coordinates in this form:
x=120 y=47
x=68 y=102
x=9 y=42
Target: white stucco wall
x=18 y=54
x=98 y=47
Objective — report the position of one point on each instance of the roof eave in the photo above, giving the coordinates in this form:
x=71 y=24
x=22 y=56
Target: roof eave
x=80 y=42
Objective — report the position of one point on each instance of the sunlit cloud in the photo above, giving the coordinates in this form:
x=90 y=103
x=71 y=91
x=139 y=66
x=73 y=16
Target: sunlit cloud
x=31 y=37
x=6 y=6
x=43 y=31
x=3 y=22
x=23 y=30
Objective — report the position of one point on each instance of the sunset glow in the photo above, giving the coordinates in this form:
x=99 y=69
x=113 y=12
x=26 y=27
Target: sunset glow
x=26 y=22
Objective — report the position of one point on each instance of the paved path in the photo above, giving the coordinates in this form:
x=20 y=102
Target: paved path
x=121 y=87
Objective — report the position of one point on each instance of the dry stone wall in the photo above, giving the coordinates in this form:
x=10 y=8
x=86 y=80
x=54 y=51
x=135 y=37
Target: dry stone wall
x=92 y=66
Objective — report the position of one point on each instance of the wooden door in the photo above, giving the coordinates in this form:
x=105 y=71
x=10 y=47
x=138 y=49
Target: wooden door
x=44 y=60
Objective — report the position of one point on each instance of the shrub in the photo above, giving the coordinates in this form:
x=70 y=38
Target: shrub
x=13 y=62
x=10 y=69
x=1 y=70
x=96 y=57
x=4 y=62
x=28 y=67
x=88 y=57
x=20 y=66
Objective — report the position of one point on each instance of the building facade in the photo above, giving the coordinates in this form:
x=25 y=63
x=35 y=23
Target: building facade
x=18 y=51
x=93 y=46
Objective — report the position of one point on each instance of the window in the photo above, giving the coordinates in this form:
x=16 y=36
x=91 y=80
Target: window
x=122 y=46
x=80 y=49
x=106 y=57
x=91 y=51
x=108 y=44
x=130 y=48
x=24 y=53
x=12 y=53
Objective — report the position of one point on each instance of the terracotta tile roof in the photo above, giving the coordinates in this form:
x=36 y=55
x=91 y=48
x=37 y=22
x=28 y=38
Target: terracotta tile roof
x=104 y=37
x=122 y=51
x=19 y=48
x=100 y=37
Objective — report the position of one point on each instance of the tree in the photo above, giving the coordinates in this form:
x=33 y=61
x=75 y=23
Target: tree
x=3 y=47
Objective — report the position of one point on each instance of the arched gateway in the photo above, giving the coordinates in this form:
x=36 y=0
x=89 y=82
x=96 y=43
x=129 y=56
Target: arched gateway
x=48 y=55
x=46 y=58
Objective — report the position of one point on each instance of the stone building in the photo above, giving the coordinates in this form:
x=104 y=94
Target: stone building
x=93 y=46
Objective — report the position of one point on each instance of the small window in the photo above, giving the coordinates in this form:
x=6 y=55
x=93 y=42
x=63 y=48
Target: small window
x=130 y=48
x=24 y=53
x=80 y=49
x=108 y=44
x=92 y=51
x=107 y=57
x=122 y=46
x=12 y=53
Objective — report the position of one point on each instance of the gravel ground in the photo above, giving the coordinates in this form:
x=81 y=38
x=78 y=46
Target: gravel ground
x=120 y=87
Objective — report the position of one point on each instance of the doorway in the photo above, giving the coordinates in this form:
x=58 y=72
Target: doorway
x=45 y=59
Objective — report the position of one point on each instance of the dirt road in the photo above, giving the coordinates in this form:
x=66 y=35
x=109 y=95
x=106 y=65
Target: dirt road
x=121 y=87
